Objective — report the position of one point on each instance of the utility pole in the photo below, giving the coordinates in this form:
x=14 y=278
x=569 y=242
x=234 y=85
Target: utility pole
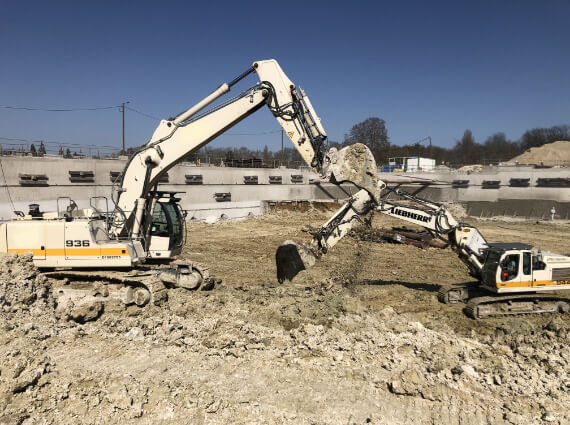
x=428 y=139
x=123 y=152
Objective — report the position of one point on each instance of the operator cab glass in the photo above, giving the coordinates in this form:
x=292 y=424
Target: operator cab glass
x=510 y=267
x=507 y=262
x=167 y=222
x=491 y=265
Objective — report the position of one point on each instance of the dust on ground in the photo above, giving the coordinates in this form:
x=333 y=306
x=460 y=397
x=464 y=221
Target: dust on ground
x=359 y=338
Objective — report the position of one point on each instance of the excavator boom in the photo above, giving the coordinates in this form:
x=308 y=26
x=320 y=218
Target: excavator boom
x=176 y=138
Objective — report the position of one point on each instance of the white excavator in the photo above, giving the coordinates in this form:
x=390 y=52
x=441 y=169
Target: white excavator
x=511 y=278
x=146 y=223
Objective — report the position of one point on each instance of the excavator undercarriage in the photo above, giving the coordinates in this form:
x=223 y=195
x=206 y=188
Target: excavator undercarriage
x=481 y=305
x=139 y=286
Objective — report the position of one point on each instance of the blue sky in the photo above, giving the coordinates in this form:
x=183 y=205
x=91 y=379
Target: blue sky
x=427 y=68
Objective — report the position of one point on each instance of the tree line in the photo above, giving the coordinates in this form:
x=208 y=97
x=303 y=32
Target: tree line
x=496 y=148
x=374 y=134
x=287 y=157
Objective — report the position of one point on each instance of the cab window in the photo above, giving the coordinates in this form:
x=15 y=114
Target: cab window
x=176 y=223
x=537 y=264
x=159 y=222
x=510 y=267
x=526 y=263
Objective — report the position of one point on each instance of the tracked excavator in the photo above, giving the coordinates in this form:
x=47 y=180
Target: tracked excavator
x=111 y=250
x=511 y=278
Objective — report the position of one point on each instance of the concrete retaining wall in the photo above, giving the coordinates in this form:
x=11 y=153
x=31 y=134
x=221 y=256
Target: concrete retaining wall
x=245 y=198
x=519 y=208
x=200 y=197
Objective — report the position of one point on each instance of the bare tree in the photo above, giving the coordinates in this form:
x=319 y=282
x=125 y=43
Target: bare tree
x=467 y=150
x=373 y=133
x=498 y=148
x=540 y=136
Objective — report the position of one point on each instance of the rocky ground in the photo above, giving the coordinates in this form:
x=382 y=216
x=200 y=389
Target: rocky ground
x=359 y=338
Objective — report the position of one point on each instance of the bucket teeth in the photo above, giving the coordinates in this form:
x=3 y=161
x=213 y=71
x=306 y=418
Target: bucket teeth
x=292 y=258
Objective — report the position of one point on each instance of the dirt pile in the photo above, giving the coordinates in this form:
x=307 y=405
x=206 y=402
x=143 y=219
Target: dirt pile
x=359 y=338
x=556 y=153
x=26 y=321
x=21 y=286
x=477 y=168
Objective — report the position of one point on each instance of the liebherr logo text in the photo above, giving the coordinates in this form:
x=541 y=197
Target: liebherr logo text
x=412 y=215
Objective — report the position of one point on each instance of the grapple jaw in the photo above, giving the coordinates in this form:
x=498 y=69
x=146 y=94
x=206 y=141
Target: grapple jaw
x=354 y=164
x=292 y=258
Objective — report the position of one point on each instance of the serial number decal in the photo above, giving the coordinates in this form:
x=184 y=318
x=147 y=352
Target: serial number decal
x=76 y=243
x=564 y=282
x=111 y=257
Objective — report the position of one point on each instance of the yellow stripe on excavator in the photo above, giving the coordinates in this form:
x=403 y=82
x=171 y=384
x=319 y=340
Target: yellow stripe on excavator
x=525 y=284
x=72 y=252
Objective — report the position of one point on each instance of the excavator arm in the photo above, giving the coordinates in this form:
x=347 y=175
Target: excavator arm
x=293 y=257
x=176 y=138
x=464 y=239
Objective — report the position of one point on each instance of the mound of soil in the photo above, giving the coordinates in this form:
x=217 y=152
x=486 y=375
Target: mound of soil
x=555 y=153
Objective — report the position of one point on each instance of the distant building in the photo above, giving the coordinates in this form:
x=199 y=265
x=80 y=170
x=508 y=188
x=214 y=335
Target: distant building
x=408 y=163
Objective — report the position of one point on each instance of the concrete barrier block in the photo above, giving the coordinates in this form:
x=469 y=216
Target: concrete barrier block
x=250 y=179
x=194 y=179
x=33 y=179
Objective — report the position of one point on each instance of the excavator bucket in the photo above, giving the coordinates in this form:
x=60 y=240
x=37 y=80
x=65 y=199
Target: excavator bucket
x=354 y=164
x=292 y=258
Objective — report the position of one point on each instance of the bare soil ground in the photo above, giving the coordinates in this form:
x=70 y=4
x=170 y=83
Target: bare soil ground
x=359 y=338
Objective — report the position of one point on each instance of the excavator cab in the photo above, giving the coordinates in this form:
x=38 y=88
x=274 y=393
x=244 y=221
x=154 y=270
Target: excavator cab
x=167 y=228
x=507 y=266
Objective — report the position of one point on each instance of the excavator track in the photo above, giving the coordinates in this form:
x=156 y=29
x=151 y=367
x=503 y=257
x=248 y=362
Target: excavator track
x=129 y=288
x=451 y=294
x=140 y=286
x=510 y=305
x=208 y=281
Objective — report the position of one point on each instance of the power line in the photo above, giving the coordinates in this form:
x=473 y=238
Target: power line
x=142 y=113
x=226 y=134
x=25 y=108
x=6 y=185
x=19 y=140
